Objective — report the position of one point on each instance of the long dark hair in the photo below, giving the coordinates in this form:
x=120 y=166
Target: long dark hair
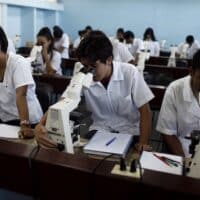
x=149 y=31
x=45 y=32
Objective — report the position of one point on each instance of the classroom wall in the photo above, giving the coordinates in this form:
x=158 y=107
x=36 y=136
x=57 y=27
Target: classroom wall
x=172 y=20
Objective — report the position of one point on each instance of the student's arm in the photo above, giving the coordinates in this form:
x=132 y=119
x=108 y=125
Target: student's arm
x=60 y=49
x=133 y=62
x=49 y=67
x=167 y=122
x=145 y=127
x=173 y=144
x=22 y=107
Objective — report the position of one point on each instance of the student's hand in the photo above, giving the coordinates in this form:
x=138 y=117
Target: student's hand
x=42 y=138
x=142 y=147
x=26 y=132
x=50 y=71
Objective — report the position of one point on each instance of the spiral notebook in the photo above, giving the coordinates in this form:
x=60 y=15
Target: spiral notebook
x=106 y=143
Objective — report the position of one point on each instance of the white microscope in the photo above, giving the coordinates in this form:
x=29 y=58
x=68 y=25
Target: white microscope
x=58 y=124
x=143 y=56
x=172 y=58
x=183 y=51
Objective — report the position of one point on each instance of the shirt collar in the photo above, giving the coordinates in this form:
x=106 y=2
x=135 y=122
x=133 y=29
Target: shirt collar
x=117 y=74
x=187 y=90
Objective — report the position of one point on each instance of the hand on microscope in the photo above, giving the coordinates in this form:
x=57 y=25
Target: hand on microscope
x=42 y=137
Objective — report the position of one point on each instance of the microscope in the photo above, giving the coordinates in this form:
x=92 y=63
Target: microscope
x=172 y=58
x=143 y=56
x=194 y=149
x=59 y=126
x=36 y=59
x=184 y=49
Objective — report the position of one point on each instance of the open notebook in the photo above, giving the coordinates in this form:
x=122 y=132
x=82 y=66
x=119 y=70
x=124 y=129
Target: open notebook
x=106 y=143
x=162 y=162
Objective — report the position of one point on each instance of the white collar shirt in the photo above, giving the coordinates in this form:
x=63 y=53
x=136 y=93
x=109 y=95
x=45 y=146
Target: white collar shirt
x=116 y=108
x=153 y=47
x=193 y=49
x=121 y=52
x=63 y=42
x=136 y=46
x=180 y=112
x=55 y=62
x=17 y=74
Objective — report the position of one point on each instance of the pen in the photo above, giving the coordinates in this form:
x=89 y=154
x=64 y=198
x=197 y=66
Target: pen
x=177 y=162
x=161 y=159
x=110 y=141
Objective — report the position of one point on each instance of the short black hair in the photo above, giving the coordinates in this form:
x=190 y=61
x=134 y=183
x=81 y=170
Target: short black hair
x=3 y=41
x=88 y=28
x=196 y=61
x=81 y=32
x=57 y=32
x=129 y=34
x=189 y=39
x=96 y=46
x=120 y=30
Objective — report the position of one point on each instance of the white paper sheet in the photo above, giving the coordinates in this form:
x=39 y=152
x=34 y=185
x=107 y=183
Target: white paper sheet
x=150 y=161
x=8 y=131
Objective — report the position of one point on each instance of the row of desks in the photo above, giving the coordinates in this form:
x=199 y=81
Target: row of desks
x=59 y=84
x=161 y=60
x=50 y=175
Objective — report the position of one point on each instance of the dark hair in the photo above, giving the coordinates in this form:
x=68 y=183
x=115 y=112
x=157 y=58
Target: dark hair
x=81 y=32
x=96 y=46
x=57 y=32
x=88 y=28
x=129 y=34
x=3 y=41
x=149 y=31
x=189 y=39
x=120 y=30
x=45 y=32
x=196 y=61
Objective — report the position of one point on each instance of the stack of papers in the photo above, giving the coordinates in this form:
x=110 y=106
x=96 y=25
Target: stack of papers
x=8 y=131
x=106 y=143
x=162 y=162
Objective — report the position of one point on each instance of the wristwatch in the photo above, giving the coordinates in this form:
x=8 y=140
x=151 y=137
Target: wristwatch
x=25 y=122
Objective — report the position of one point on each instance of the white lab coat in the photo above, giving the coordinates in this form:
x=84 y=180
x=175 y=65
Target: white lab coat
x=121 y=52
x=17 y=74
x=180 y=112
x=55 y=62
x=153 y=47
x=190 y=50
x=63 y=42
x=136 y=46
x=117 y=107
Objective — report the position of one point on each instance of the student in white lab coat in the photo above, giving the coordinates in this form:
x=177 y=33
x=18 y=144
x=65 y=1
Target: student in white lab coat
x=18 y=102
x=190 y=46
x=61 y=42
x=118 y=97
x=180 y=111
x=135 y=45
x=150 y=42
x=49 y=59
